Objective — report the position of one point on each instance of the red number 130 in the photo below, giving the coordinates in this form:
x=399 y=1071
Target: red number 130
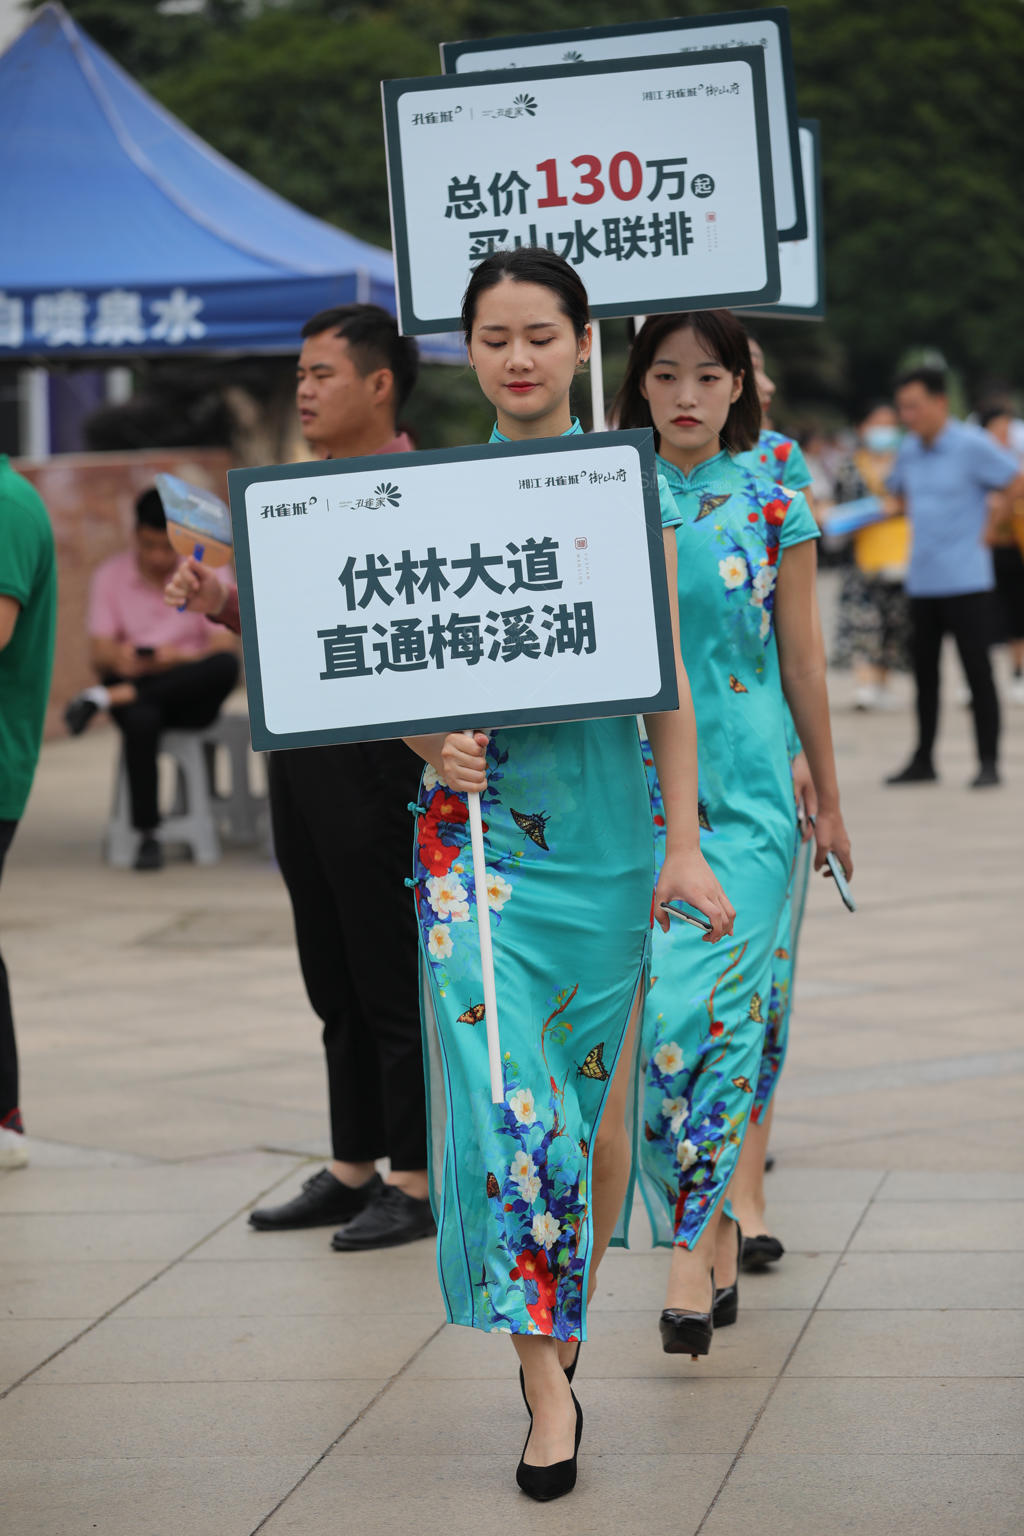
x=622 y=166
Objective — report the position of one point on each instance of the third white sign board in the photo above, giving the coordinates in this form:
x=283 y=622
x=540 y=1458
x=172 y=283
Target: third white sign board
x=767 y=29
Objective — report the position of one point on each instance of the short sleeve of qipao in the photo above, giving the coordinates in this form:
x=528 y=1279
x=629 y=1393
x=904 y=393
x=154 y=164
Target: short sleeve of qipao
x=798 y=525
x=671 y=517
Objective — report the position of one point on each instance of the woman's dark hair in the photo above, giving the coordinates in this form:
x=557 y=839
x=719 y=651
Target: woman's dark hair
x=726 y=340
x=529 y=264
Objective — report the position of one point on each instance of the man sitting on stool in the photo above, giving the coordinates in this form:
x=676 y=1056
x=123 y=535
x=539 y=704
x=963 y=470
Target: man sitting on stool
x=160 y=670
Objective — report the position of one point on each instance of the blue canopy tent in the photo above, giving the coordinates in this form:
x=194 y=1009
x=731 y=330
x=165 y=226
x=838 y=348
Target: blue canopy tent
x=125 y=235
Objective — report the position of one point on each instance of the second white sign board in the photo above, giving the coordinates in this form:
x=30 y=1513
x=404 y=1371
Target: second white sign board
x=652 y=178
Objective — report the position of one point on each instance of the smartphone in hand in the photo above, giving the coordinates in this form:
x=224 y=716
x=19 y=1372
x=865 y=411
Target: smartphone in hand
x=838 y=874
x=687 y=915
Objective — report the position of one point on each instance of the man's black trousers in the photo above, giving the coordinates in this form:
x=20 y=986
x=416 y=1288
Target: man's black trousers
x=969 y=618
x=185 y=698
x=343 y=836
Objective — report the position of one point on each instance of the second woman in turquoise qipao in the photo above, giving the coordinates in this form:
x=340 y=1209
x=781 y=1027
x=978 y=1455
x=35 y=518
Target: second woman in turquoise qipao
x=707 y=1010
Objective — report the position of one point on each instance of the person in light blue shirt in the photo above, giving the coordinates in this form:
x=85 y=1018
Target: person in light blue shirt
x=942 y=478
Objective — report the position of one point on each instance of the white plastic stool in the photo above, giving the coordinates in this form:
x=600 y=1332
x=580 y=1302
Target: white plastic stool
x=240 y=814
x=197 y=807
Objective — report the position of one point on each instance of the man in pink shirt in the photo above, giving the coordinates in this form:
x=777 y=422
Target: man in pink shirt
x=160 y=670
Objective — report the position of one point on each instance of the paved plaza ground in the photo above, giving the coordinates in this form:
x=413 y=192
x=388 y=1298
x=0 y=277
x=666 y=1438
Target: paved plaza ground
x=165 y=1371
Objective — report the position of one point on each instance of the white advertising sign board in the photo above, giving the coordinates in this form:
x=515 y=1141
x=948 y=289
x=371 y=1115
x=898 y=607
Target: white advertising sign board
x=487 y=586
x=766 y=29
x=652 y=177
x=802 y=262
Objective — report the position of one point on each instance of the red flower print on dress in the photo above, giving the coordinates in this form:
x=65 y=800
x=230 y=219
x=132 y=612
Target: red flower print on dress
x=533 y=1267
x=447 y=809
x=783 y=450
x=436 y=857
x=775 y=512
x=443 y=810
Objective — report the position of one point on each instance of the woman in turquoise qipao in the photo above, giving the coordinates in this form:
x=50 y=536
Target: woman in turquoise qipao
x=750 y=642
x=528 y=1192
x=777 y=459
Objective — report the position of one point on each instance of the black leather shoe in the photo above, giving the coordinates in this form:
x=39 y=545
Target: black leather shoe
x=915 y=772
x=545 y=1483
x=758 y=1252
x=986 y=777
x=391 y=1218
x=727 y=1299
x=150 y=853
x=324 y=1202
x=78 y=713
x=688 y=1333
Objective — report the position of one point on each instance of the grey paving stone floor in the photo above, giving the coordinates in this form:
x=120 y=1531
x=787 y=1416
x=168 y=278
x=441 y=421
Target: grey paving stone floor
x=165 y=1371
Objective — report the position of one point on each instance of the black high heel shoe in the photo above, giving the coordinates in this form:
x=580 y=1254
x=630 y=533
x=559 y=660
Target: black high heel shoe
x=545 y=1483
x=688 y=1333
x=760 y=1251
x=570 y=1372
x=727 y=1300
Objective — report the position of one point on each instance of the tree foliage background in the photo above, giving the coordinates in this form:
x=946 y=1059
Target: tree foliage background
x=920 y=108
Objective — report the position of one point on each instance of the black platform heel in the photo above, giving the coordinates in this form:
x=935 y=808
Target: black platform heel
x=688 y=1333
x=727 y=1300
x=570 y=1372
x=546 y=1483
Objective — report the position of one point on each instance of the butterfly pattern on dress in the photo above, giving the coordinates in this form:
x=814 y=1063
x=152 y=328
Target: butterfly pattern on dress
x=709 y=504
x=533 y=825
x=473 y=1014
x=593 y=1065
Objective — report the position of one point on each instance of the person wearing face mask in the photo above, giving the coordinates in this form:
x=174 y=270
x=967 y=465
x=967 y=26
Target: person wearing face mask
x=873 y=625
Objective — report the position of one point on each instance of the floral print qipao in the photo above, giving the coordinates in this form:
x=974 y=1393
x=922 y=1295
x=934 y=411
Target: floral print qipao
x=710 y=1007
x=570 y=871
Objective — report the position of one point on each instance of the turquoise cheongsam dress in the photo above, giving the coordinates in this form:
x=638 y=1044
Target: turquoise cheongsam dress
x=709 y=1007
x=779 y=459
x=570 y=875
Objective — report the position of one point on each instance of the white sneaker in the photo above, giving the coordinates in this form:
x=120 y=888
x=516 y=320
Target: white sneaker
x=1017 y=690
x=867 y=696
x=13 y=1151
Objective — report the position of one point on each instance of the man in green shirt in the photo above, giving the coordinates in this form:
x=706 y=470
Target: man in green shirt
x=28 y=619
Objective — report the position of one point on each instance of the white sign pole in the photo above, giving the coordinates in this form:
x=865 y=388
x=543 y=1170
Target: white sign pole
x=483 y=923
x=596 y=378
